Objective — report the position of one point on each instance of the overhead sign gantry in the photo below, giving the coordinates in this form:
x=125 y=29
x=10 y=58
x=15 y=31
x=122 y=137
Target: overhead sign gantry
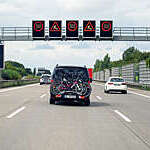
x=72 y=30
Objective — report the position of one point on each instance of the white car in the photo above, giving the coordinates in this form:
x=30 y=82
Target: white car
x=45 y=79
x=116 y=84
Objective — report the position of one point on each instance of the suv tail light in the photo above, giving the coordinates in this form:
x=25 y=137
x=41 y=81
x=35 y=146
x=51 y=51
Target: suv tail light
x=58 y=96
x=110 y=83
x=81 y=97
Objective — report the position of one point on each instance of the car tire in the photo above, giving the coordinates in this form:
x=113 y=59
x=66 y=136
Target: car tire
x=52 y=100
x=124 y=92
x=87 y=103
x=105 y=91
x=109 y=92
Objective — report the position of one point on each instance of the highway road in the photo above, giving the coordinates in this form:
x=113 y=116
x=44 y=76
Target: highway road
x=113 y=121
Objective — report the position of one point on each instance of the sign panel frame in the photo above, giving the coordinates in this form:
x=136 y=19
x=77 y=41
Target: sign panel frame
x=38 y=31
x=72 y=29
x=58 y=33
x=2 y=66
x=91 y=32
x=106 y=29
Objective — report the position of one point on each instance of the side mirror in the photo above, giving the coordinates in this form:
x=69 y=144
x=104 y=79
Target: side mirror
x=90 y=80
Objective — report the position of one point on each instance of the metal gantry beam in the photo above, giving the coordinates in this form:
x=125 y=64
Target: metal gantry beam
x=119 y=34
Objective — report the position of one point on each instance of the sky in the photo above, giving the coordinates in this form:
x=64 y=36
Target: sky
x=20 y=13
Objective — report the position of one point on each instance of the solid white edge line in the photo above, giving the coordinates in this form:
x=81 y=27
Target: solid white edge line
x=15 y=88
x=43 y=95
x=123 y=116
x=139 y=94
x=16 y=112
x=98 y=97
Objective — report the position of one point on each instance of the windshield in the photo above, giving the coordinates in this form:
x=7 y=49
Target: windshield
x=45 y=76
x=117 y=80
x=71 y=74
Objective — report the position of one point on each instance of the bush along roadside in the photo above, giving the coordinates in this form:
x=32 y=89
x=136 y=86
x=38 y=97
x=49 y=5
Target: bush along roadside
x=9 y=74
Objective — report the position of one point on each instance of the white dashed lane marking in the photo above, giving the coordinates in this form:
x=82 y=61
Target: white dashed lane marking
x=123 y=116
x=99 y=98
x=42 y=96
x=16 y=112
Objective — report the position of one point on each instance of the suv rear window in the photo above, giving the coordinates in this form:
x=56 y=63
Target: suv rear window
x=45 y=76
x=70 y=74
x=117 y=80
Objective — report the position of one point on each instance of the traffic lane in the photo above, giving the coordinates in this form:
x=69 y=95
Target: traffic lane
x=135 y=107
x=135 y=91
x=13 y=98
x=44 y=126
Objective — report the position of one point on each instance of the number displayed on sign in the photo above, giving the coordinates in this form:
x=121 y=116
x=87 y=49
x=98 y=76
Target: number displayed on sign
x=72 y=28
x=38 y=29
x=106 y=29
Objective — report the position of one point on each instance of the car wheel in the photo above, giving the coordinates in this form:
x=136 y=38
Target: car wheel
x=56 y=102
x=109 y=92
x=87 y=103
x=124 y=92
x=52 y=100
x=105 y=91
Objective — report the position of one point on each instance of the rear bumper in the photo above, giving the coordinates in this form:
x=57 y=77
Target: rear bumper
x=77 y=99
x=117 y=88
x=44 y=82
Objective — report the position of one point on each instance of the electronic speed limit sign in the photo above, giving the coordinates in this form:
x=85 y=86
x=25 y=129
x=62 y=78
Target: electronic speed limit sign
x=106 y=29
x=38 y=29
x=72 y=28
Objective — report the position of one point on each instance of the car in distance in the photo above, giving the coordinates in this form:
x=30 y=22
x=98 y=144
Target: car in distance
x=45 y=79
x=70 y=84
x=117 y=84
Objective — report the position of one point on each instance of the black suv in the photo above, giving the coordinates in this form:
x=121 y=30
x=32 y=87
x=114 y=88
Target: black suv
x=70 y=84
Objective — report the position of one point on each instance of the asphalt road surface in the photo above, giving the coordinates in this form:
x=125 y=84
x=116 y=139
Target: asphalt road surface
x=112 y=122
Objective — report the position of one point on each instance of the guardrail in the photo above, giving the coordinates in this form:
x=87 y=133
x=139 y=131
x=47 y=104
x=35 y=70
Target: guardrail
x=11 y=83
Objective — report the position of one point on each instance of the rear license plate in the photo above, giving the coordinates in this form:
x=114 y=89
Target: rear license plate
x=70 y=96
x=117 y=84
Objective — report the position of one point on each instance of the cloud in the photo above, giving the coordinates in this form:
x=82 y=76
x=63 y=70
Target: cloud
x=44 y=46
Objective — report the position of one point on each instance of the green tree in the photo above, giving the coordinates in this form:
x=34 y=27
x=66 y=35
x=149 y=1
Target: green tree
x=34 y=71
x=28 y=71
x=8 y=74
x=106 y=62
x=132 y=55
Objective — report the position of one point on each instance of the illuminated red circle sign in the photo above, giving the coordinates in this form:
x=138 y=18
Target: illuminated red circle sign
x=38 y=26
x=72 y=26
x=106 y=26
